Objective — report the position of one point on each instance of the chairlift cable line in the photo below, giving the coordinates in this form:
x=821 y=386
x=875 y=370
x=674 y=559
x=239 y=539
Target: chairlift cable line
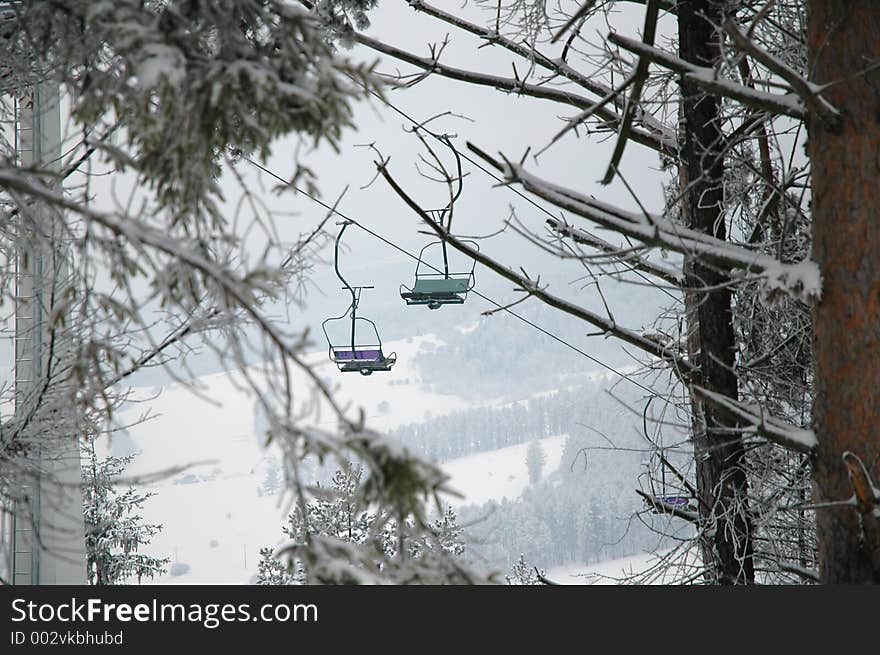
x=484 y=297
x=447 y=142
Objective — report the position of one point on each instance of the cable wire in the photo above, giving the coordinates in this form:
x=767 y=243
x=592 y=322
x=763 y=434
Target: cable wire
x=474 y=291
x=447 y=142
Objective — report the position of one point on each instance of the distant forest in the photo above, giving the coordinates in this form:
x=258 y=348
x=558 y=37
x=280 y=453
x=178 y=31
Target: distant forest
x=587 y=511
x=482 y=429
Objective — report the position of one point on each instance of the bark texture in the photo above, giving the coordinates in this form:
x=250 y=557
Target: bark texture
x=722 y=485
x=844 y=41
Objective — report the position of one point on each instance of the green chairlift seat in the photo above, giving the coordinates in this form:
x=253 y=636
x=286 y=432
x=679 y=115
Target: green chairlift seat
x=438 y=287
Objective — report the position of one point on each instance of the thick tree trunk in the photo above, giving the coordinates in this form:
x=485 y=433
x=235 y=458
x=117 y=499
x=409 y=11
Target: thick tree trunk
x=844 y=41
x=721 y=481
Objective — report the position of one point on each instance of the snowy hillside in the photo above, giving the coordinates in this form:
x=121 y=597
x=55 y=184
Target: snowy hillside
x=499 y=473
x=216 y=514
x=217 y=526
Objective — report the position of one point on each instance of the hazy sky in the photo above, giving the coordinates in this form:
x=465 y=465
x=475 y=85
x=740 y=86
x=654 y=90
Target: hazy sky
x=491 y=119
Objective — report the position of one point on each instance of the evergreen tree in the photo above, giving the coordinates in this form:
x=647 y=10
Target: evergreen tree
x=523 y=574
x=535 y=459
x=271 y=571
x=448 y=533
x=115 y=531
x=338 y=514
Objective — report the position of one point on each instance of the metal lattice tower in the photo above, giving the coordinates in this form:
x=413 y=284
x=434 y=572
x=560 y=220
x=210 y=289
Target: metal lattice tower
x=47 y=531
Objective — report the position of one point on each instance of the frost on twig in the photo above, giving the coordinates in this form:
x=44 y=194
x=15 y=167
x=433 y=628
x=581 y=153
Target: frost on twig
x=800 y=280
x=754 y=418
x=184 y=91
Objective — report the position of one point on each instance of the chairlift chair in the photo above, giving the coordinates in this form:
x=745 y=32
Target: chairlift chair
x=680 y=502
x=671 y=496
x=668 y=497
x=435 y=286
x=354 y=355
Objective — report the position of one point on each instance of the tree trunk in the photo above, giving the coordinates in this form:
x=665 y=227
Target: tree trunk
x=721 y=481
x=844 y=40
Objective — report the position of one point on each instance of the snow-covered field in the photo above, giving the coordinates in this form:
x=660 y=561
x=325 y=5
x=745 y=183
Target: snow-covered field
x=601 y=573
x=613 y=572
x=215 y=517
x=499 y=473
x=216 y=527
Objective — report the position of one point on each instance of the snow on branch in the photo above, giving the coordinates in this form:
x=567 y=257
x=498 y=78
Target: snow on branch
x=753 y=416
x=801 y=280
x=789 y=104
x=660 y=143
x=583 y=237
x=558 y=67
x=810 y=94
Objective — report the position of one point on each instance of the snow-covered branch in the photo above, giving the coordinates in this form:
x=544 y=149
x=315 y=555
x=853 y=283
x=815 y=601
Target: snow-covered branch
x=652 y=140
x=800 y=280
x=810 y=94
x=755 y=419
x=789 y=104
x=553 y=65
x=585 y=238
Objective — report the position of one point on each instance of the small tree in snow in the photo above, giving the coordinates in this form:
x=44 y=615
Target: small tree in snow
x=336 y=518
x=272 y=571
x=115 y=531
x=535 y=459
x=523 y=574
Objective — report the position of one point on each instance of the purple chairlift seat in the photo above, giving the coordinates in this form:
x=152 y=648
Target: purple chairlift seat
x=675 y=501
x=347 y=355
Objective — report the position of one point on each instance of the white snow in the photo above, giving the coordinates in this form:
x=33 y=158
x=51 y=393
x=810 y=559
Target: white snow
x=802 y=280
x=214 y=518
x=603 y=573
x=499 y=474
x=158 y=62
x=217 y=528
x=613 y=572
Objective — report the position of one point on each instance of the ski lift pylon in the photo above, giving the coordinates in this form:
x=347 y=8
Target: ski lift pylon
x=363 y=357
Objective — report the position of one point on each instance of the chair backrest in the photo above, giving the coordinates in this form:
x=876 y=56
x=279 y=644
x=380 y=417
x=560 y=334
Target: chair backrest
x=442 y=285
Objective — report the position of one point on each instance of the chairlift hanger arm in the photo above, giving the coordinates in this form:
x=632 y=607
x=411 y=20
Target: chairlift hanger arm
x=681 y=366
x=354 y=294
x=345 y=225
x=363 y=358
